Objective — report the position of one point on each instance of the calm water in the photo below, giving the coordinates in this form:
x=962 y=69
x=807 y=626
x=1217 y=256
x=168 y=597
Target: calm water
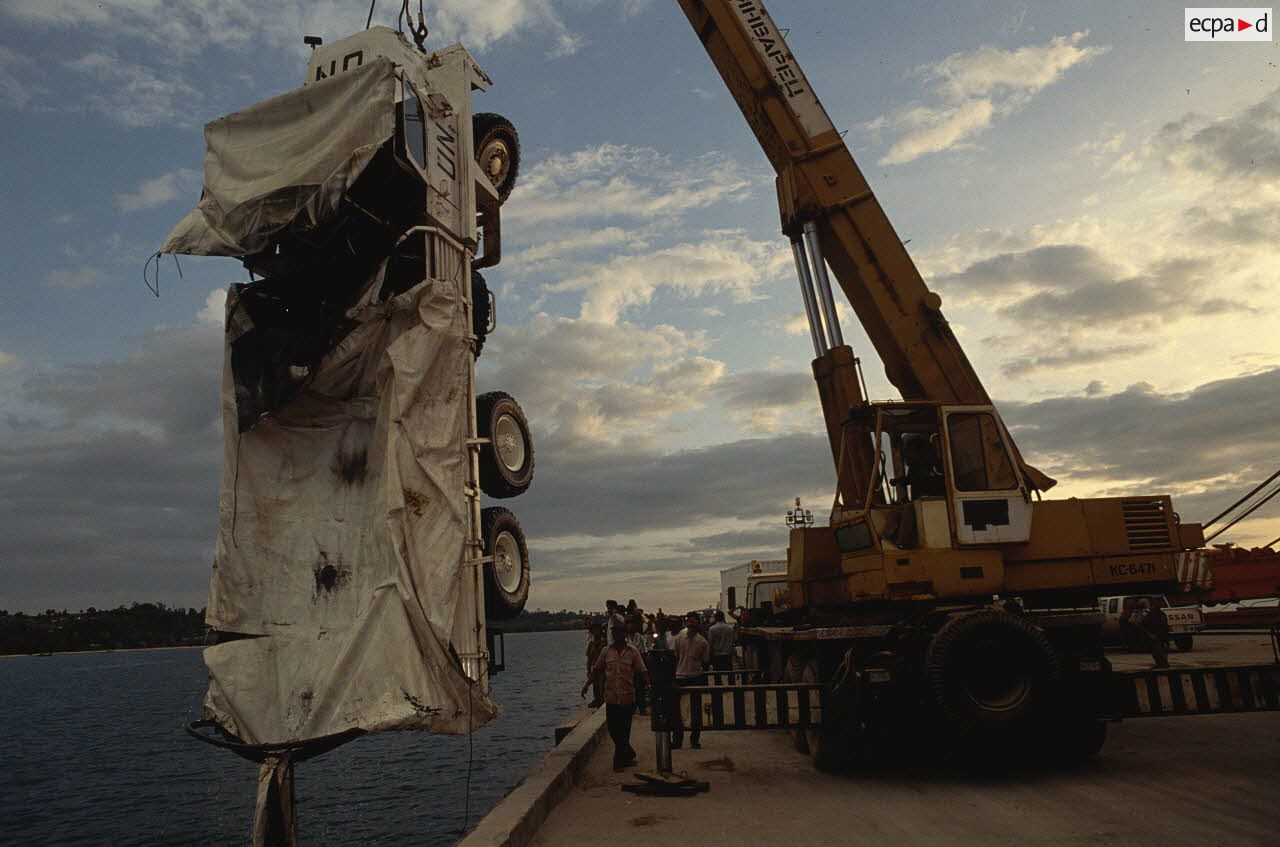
x=93 y=752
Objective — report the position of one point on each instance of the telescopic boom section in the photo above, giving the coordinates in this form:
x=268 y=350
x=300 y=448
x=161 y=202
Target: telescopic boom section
x=819 y=183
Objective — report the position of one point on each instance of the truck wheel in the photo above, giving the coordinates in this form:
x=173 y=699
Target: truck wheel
x=480 y=312
x=992 y=675
x=1184 y=643
x=792 y=673
x=497 y=151
x=506 y=578
x=506 y=462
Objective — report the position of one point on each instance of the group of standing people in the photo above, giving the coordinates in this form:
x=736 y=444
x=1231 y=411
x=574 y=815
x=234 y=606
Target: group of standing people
x=619 y=676
x=1148 y=625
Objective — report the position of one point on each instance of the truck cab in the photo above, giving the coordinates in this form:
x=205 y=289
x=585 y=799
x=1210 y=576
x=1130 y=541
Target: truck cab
x=767 y=594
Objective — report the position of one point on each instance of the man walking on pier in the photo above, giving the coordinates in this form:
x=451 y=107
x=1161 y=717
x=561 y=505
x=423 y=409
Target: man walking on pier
x=622 y=665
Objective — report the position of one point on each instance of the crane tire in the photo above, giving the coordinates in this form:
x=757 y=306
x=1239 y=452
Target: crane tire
x=506 y=578
x=992 y=676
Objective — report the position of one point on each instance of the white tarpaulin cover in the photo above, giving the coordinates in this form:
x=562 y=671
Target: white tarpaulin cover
x=285 y=163
x=342 y=530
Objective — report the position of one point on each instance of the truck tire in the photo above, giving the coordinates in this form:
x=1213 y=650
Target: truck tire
x=480 y=311
x=1184 y=643
x=497 y=147
x=792 y=673
x=506 y=578
x=506 y=462
x=992 y=675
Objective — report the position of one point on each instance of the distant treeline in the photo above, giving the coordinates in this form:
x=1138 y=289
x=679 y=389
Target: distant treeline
x=156 y=625
x=539 y=621
x=125 y=627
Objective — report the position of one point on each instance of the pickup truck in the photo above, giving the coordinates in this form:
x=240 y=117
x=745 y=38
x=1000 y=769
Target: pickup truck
x=1184 y=621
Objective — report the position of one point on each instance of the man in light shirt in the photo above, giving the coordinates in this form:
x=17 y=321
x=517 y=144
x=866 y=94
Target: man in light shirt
x=693 y=656
x=620 y=665
x=720 y=637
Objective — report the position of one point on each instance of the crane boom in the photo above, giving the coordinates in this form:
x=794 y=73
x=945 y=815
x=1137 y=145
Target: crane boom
x=819 y=183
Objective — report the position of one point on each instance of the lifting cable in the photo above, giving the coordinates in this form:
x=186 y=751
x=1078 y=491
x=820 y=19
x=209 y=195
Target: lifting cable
x=1232 y=507
x=1249 y=511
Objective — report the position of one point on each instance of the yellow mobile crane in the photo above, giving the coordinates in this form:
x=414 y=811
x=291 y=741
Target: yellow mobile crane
x=942 y=567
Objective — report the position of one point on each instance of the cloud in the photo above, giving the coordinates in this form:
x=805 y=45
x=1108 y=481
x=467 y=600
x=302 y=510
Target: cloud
x=1234 y=226
x=214 y=311
x=161 y=190
x=764 y=402
x=109 y=493
x=1054 y=357
x=974 y=87
x=134 y=94
x=1243 y=146
x=150 y=391
x=13 y=91
x=723 y=262
x=8 y=362
x=1207 y=441
x=591 y=384
x=932 y=130
x=81 y=276
x=631 y=8
x=623 y=182
x=1043 y=266
x=627 y=491
x=568 y=243
x=186 y=29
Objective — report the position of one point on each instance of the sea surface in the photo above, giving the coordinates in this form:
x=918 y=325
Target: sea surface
x=92 y=751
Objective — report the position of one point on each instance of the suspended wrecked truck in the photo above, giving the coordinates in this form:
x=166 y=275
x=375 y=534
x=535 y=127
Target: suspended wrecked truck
x=355 y=567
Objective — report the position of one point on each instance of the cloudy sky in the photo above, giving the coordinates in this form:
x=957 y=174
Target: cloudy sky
x=1095 y=200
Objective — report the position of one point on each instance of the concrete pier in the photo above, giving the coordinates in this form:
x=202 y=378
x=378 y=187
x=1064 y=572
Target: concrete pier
x=1203 y=780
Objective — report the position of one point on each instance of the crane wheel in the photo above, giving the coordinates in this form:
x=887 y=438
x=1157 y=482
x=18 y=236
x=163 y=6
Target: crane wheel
x=497 y=147
x=506 y=462
x=481 y=310
x=992 y=676
x=792 y=673
x=506 y=578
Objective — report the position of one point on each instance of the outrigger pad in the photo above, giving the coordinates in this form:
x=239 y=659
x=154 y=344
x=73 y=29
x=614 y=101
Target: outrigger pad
x=659 y=784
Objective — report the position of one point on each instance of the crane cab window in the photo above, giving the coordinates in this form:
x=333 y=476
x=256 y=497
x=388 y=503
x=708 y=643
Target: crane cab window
x=979 y=458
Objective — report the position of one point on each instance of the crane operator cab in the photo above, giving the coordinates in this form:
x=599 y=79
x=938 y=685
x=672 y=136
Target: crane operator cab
x=943 y=486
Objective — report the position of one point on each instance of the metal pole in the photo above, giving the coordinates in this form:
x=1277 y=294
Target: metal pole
x=663 y=704
x=824 y=283
x=806 y=292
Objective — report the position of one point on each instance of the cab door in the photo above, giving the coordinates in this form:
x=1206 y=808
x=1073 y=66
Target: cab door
x=989 y=501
